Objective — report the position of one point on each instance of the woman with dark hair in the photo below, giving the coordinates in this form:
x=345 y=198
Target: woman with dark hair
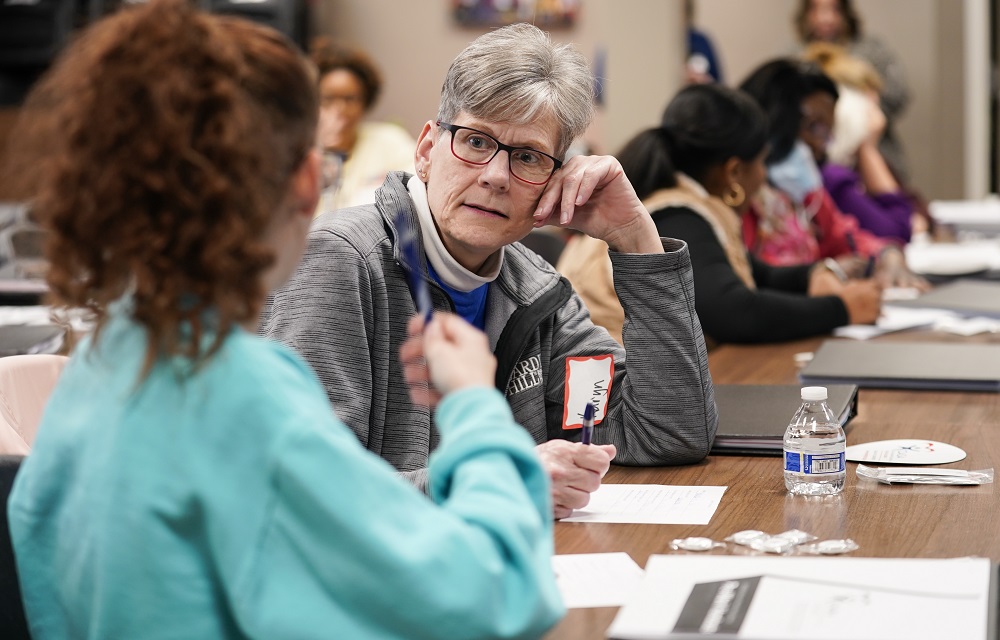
x=190 y=479
x=357 y=153
x=797 y=220
x=695 y=173
x=837 y=22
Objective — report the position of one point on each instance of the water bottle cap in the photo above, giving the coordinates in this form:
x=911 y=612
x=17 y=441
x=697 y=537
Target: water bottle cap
x=814 y=393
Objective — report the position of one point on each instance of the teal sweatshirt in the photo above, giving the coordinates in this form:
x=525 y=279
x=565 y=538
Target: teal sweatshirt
x=231 y=502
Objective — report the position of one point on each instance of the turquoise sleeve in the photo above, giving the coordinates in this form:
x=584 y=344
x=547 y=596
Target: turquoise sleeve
x=351 y=550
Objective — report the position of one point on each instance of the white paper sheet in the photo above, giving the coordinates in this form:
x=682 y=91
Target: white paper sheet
x=953 y=259
x=895 y=319
x=756 y=598
x=596 y=579
x=650 y=504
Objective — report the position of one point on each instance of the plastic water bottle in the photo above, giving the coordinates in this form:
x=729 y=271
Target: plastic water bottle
x=814 y=448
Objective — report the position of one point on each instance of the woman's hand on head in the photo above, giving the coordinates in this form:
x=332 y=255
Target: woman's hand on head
x=591 y=194
x=876 y=120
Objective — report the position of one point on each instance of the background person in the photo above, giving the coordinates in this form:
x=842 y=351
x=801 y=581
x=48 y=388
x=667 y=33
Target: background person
x=838 y=22
x=702 y=65
x=695 y=174
x=854 y=172
x=488 y=172
x=189 y=479
x=796 y=96
x=359 y=153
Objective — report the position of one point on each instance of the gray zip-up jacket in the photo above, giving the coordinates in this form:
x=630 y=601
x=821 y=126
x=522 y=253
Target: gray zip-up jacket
x=346 y=308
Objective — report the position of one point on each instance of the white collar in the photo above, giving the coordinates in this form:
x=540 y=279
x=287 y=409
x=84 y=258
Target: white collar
x=445 y=265
x=692 y=184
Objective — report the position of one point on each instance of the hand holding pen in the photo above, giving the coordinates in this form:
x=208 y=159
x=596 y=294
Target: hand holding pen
x=447 y=355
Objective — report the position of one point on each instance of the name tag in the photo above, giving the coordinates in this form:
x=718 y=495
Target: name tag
x=588 y=379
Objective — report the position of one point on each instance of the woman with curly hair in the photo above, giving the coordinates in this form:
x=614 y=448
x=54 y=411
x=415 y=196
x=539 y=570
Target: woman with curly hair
x=358 y=153
x=189 y=479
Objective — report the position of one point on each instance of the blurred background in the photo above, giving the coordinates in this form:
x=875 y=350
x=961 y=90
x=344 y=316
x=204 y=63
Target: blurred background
x=948 y=48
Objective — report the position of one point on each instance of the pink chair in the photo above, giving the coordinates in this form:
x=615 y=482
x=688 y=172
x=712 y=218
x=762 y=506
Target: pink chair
x=25 y=385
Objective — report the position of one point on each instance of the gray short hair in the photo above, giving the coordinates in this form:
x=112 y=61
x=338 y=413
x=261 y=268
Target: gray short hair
x=516 y=74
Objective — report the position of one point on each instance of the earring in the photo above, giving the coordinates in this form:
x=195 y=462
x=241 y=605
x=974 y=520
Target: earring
x=736 y=195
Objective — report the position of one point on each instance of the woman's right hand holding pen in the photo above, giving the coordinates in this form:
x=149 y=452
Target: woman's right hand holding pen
x=444 y=356
x=863 y=299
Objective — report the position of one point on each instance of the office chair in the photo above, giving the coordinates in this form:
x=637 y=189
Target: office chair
x=13 y=625
x=25 y=385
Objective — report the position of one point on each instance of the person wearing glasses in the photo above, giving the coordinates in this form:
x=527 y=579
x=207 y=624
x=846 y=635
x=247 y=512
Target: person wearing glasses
x=357 y=152
x=189 y=479
x=489 y=170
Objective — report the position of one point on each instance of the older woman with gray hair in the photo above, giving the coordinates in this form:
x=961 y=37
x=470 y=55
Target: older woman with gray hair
x=489 y=170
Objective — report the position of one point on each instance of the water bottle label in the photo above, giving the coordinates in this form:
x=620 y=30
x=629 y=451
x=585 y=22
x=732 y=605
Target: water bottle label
x=815 y=464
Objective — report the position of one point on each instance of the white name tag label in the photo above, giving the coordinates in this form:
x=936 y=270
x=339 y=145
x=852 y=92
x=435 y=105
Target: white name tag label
x=588 y=379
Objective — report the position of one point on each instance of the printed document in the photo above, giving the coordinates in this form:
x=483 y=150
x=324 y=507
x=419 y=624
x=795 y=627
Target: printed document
x=650 y=504
x=774 y=598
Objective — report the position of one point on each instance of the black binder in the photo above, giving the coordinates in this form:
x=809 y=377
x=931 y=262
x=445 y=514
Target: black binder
x=943 y=366
x=753 y=418
x=966 y=297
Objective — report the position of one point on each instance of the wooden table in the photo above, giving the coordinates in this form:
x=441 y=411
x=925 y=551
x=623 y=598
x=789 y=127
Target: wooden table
x=886 y=521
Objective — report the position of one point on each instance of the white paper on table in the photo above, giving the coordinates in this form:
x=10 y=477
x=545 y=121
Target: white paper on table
x=905 y=451
x=650 y=504
x=953 y=258
x=775 y=598
x=899 y=293
x=596 y=579
x=895 y=319
x=968 y=326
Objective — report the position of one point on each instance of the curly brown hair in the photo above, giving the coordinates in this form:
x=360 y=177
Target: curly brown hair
x=160 y=146
x=329 y=56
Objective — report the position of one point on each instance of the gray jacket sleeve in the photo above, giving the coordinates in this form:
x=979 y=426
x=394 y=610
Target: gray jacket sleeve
x=662 y=404
x=334 y=312
x=330 y=322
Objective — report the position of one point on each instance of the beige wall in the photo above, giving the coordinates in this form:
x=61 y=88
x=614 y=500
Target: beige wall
x=414 y=42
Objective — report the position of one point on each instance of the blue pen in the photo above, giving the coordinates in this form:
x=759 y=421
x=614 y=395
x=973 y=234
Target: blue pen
x=851 y=244
x=588 y=424
x=870 y=267
x=411 y=263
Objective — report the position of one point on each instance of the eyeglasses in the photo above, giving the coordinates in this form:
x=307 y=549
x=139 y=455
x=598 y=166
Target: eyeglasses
x=475 y=147
x=341 y=101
